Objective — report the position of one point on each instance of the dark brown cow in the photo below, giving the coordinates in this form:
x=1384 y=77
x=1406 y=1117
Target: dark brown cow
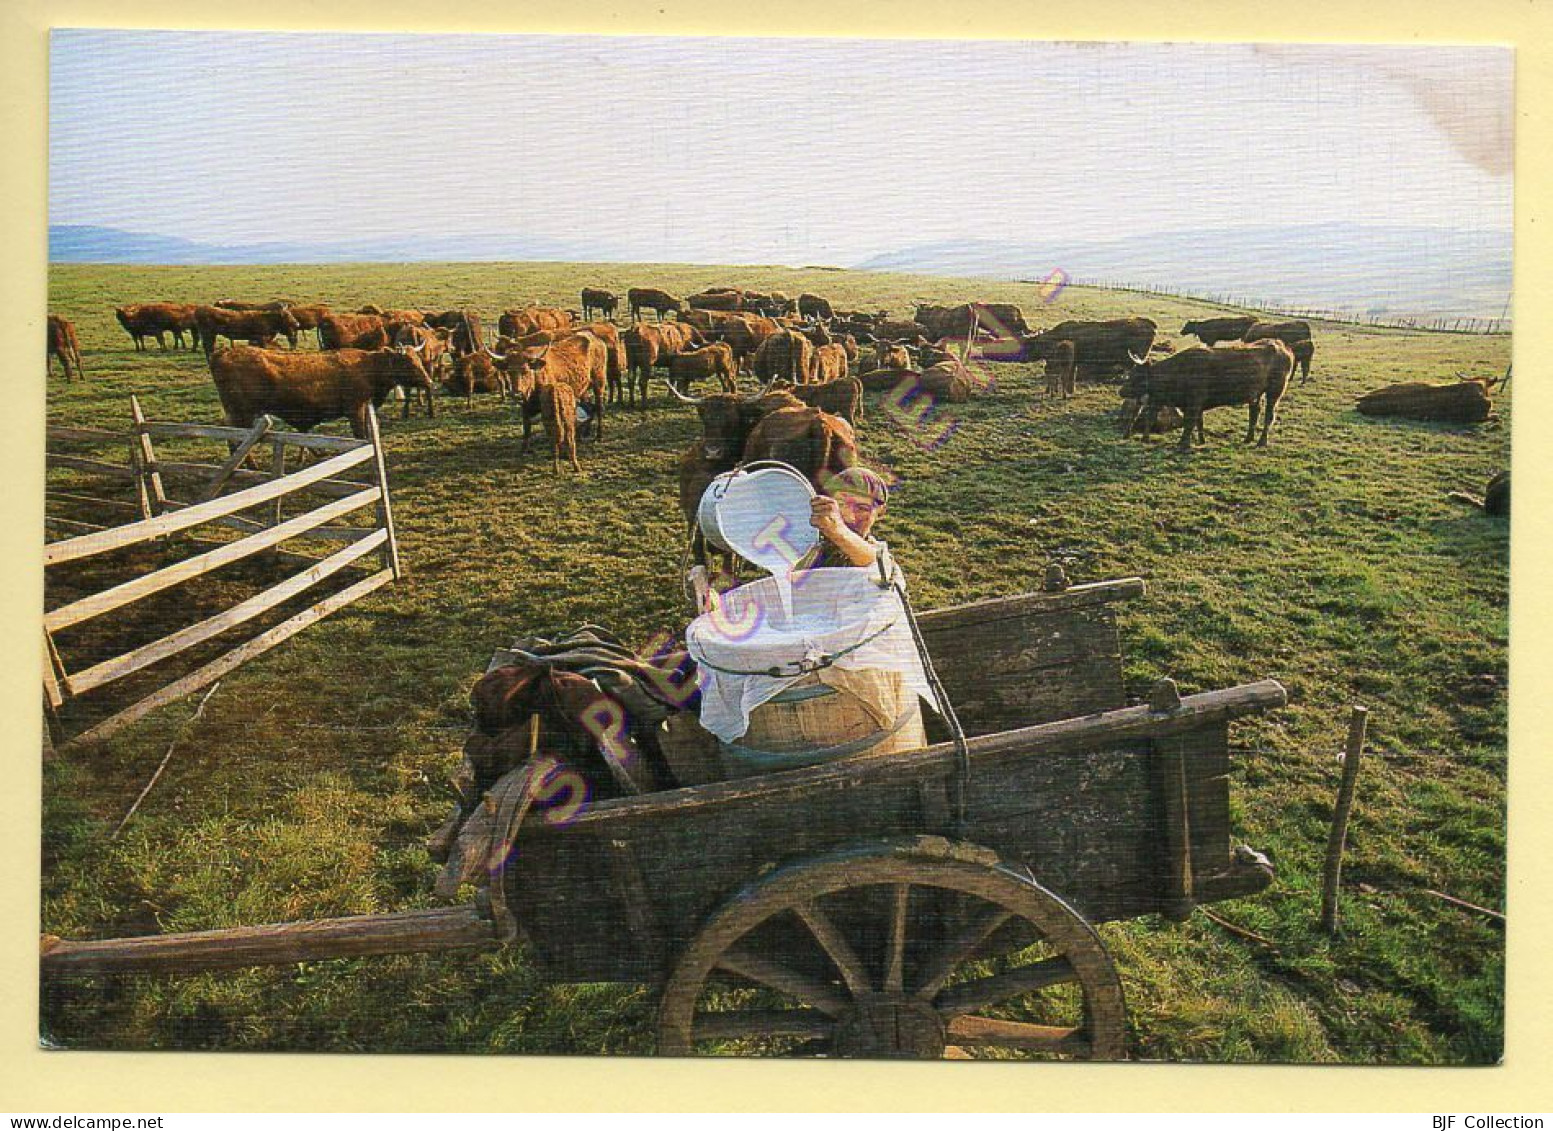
x=475 y=373
x=1295 y=335
x=1060 y=369
x=715 y=360
x=1201 y=378
x=785 y=355
x=154 y=319
x=532 y=320
x=1211 y=331
x=813 y=306
x=352 y=331
x=307 y=389
x=830 y=364
x=1100 y=348
x=431 y=346
x=63 y=345
x=649 y=298
x=253 y=326
x=605 y=302
x=578 y=359
x=816 y=443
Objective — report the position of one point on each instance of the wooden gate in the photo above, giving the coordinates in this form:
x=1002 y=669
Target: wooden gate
x=205 y=499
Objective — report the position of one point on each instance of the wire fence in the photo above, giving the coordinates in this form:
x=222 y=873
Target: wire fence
x=1444 y=324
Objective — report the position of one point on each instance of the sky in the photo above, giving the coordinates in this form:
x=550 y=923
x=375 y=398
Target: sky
x=763 y=150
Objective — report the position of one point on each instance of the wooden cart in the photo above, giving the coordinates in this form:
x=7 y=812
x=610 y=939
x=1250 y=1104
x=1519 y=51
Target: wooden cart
x=841 y=909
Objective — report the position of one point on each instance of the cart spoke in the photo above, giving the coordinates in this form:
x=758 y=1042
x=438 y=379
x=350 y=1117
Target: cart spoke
x=835 y=943
x=895 y=955
x=970 y=996
x=959 y=948
x=749 y=1023
x=969 y=1030
x=775 y=976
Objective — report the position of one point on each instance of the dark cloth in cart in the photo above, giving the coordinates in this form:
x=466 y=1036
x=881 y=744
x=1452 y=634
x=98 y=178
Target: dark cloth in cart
x=568 y=689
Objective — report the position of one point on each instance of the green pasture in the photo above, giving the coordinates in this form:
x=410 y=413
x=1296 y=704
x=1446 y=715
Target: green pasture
x=1332 y=561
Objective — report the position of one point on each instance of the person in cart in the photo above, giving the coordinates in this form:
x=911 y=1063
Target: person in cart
x=845 y=518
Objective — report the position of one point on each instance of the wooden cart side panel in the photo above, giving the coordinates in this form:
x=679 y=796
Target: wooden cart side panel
x=1036 y=667
x=1205 y=756
x=1084 y=822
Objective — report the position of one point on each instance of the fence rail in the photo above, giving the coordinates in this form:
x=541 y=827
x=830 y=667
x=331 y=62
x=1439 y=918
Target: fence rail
x=263 y=529
x=1444 y=324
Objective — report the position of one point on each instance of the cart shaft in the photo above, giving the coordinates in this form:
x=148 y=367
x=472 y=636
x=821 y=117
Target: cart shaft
x=399 y=932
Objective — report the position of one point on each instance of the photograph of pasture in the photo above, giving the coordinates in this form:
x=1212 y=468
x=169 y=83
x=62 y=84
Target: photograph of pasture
x=712 y=547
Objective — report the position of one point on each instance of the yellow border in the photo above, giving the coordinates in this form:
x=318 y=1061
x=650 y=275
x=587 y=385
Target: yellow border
x=84 y=1082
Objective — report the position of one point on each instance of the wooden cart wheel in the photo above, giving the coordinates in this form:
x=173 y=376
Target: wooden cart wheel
x=883 y=951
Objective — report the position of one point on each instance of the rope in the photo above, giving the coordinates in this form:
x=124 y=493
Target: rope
x=804 y=666
x=962 y=750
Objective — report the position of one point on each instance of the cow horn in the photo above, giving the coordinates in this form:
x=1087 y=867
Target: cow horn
x=501 y=357
x=1136 y=360
x=762 y=392
x=673 y=388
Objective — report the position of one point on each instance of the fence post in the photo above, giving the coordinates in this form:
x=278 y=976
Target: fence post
x=385 y=510
x=1334 y=866
x=148 y=464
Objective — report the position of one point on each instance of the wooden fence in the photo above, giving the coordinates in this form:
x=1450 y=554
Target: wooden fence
x=207 y=495
x=1444 y=324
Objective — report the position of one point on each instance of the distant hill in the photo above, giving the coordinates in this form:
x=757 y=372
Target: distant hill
x=1381 y=271
x=1358 y=269
x=72 y=243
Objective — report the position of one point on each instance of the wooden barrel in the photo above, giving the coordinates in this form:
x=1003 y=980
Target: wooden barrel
x=813 y=721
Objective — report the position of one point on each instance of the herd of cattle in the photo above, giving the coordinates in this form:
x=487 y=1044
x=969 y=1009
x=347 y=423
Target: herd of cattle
x=811 y=360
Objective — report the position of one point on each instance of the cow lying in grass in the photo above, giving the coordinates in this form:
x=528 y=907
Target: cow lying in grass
x=1198 y=379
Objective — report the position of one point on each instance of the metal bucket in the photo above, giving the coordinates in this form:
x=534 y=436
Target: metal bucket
x=760 y=513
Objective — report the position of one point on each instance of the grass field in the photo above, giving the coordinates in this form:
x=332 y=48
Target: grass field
x=1331 y=561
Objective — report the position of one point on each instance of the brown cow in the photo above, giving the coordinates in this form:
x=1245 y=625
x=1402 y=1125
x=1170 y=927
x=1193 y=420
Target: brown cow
x=153 y=319
x=63 y=345
x=650 y=298
x=785 y=355
x=352 y=331
x=1201 y=378
x=717 y=299
x=307 y=389
x=532 y=320
x=310 y=315
x=609 y=334
x=253 y=326
x=830 y=364
x=843 y=398
x=578 y=359
x=558 y=410
x=649 y=344
x=715 y=360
